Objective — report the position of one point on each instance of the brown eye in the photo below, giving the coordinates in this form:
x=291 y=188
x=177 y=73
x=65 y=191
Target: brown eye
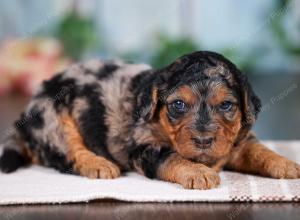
x=226 y=106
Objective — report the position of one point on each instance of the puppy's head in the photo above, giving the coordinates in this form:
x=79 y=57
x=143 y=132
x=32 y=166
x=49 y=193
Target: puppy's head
x=204 y=104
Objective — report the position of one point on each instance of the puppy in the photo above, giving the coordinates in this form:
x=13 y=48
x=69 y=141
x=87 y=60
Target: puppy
x=182 y=123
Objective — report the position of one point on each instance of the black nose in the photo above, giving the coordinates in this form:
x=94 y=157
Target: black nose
x=203 y=142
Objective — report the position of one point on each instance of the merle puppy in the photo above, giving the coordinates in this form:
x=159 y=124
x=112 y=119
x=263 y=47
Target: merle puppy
x=182 y=123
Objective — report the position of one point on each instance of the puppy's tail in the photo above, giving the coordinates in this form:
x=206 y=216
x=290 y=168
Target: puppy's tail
x=12 y=153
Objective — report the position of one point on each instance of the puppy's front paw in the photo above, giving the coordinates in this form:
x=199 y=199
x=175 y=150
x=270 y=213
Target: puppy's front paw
x=281 y=168
x=93 y=166
x=198 y=176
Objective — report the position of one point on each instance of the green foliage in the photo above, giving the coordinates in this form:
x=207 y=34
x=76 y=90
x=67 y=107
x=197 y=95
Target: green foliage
x=77 y=34
x=170 y=49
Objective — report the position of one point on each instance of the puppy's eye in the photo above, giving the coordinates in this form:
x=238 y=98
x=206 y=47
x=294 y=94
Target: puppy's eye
x=226 y=106
x=179 y=106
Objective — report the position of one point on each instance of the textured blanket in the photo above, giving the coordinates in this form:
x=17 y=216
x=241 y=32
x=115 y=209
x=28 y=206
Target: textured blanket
x=42 y=185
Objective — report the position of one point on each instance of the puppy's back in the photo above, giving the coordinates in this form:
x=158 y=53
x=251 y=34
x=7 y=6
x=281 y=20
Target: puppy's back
x=94 y=93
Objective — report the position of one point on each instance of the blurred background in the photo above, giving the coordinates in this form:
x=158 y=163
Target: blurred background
x=40 y=38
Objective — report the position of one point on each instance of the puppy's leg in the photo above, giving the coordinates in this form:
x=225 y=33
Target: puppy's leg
x=86 y=162
x=190 y=175
x=169 y=166
x=254 y=157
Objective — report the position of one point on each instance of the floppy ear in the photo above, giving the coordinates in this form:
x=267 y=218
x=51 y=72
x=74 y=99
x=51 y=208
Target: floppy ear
x=147 y=102
x=250 y=104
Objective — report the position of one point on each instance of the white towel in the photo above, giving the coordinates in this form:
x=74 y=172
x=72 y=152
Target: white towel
x=43 y=185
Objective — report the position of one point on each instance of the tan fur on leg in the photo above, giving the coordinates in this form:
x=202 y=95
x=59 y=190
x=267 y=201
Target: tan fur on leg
x=254 y=157
x=190 y=175
x=86 y=162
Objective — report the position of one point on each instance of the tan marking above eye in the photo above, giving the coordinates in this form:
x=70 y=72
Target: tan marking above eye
x=219 y=95
x=184 y=93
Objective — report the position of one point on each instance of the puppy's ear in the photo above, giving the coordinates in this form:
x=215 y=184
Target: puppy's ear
x=147 y=102
x=250 y=104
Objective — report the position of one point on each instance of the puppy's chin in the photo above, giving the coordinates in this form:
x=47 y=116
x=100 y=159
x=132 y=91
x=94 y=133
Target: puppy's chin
x=208 y=156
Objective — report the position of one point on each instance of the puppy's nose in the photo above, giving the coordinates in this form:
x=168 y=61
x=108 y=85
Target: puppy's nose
x=203 y=142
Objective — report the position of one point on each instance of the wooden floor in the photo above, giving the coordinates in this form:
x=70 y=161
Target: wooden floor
x=119 y=210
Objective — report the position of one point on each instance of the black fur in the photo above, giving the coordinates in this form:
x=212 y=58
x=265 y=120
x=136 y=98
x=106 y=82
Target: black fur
x=92 y=122
x=148 y=158
x=11 y=160
x=51 y=158
x=33 y=120
x=203 y=118
x=61 y=92
x=142 y=86
x=106 y=71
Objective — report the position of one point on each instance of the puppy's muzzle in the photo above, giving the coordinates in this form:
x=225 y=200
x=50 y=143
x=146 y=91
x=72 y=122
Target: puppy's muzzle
x=203 y=142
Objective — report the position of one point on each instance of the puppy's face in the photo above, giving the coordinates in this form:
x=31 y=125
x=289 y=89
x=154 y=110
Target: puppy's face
x=202 y=119
x=204 y=104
